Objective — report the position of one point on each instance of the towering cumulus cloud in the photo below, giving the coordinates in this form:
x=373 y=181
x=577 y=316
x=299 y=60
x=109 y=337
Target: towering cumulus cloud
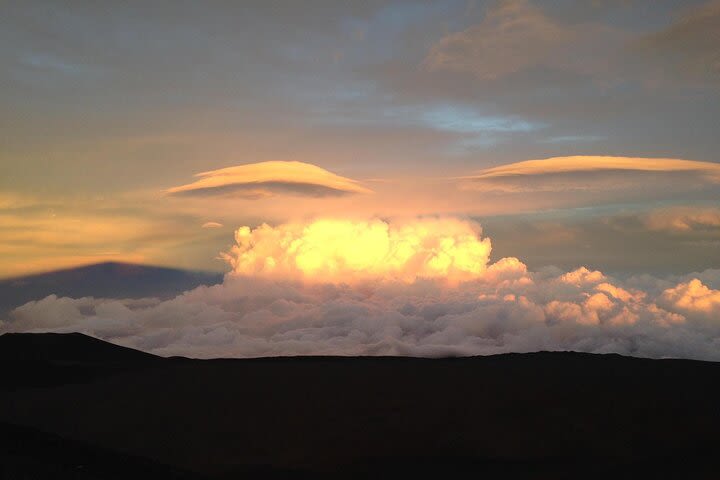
x=417 y=287
x=349 y=251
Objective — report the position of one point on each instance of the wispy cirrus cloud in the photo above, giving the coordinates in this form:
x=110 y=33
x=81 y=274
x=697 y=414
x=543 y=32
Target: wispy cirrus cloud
x=266 y=179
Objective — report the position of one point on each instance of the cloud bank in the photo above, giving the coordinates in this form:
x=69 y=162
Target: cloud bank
x=395 y=301
x=266 y=179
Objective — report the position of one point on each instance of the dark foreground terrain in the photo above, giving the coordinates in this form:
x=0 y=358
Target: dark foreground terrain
x=75 y=407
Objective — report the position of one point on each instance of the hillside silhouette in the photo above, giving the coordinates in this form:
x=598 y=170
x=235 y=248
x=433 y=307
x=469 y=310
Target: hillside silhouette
x=535 y=415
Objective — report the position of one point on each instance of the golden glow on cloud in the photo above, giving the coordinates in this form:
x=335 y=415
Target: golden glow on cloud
x=576 y=172
x=212 y=225
x=263 y=179
x=47 y=238
x=330 y=250
x=694 y=297
x=595 y=163
x=683 y=219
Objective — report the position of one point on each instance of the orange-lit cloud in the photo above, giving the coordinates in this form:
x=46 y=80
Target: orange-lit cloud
x=684 y=219
x=212 y=225
x=582 y=276
x=588 y=172
x=38 y=237
x=694 y=298
x=264 y=179
x=330 y=250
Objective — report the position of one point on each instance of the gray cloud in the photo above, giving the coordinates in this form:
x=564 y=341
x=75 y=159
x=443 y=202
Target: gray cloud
x=623 y=239
x=585 y=72
x=689 y=49
x=515 y=35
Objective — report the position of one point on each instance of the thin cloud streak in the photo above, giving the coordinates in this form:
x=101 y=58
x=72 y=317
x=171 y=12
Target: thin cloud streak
x=587 y=172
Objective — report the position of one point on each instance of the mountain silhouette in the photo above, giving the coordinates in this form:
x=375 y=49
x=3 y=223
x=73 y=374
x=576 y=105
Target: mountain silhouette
x=67 y=349
x=46 y=359
x=535 y=415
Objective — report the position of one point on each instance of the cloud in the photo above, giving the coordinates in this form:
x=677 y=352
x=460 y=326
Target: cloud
x=41 y=238
x=684 y=219
x=495 y=307
x=694 y=299
x=518 y=36
x=265 y=179
x=345 y=250
x=593 y=172
x=689 y=48
x=515 y=35
x=212 y=225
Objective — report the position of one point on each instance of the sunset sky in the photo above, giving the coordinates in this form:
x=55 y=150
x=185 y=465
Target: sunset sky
x=340 y=142
x=397 y=108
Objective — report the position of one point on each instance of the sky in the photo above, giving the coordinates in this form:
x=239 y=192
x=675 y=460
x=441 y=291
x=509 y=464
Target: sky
x=562 y=134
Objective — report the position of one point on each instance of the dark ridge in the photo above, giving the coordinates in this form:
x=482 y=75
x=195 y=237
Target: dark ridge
x=46 y=359
x=538 y=415
x=67 y=348
x=27 y=453
x=107 y=280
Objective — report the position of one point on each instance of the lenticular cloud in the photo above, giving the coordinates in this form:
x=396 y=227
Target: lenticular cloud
x=419 y=287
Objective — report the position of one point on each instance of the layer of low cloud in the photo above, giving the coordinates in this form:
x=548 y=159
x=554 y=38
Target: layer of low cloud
x=500 y=307
x=595 y=172
x=265 y=179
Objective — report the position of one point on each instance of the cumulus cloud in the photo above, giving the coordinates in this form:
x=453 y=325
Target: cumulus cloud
x=265 y=179
x=593 y=172
x=345 y=250
x=403 y=308
x=693 y=299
